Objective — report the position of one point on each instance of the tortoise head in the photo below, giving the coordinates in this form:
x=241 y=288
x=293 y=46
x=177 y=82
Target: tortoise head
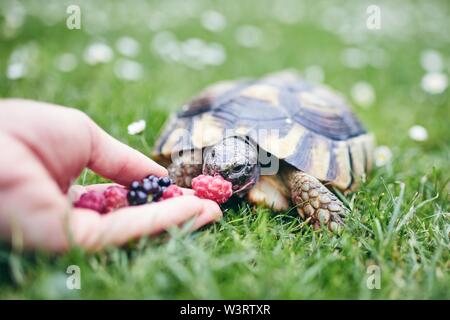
x=236 y=160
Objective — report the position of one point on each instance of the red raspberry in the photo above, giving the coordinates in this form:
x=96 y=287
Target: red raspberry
x=172 y=191
x=115 y=198
x=214 y=188
x=93 y=200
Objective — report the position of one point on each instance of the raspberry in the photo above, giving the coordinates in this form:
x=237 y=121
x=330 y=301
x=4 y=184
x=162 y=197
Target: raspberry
x=214 y=188
x=115 y=198
x=171 y=192
x=93 y=200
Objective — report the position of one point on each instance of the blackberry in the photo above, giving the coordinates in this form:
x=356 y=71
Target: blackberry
x=146 y=185
x=135 y=185
x=157 y=192
x=164 y=181
x=137 y=197
x=149 y=189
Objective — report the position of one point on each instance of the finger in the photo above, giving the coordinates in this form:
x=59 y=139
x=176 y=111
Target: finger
x=206 y=217
x=187 y=191
x=117 y=161
x=94 y=231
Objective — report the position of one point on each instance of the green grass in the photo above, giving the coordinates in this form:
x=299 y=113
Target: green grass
x=399 y=218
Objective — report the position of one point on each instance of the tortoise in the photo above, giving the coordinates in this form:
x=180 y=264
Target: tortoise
x=278 y=139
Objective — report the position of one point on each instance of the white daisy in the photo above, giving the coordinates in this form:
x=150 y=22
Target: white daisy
x=136 y=127
x=128 y=46
x=288 y=11
x=249 y=36
x=213 y=21
x=213 y=54
x=363 y=94
x=22 y=61
x=382 y=155
x=66 y=62
x=128 y=70
x=98 y=53
x=167 y=46
x=431 y=61
x=16 y=70
x=434 y=82
x=418 y=133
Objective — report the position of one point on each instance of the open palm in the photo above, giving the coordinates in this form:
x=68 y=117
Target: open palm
x=44 y=149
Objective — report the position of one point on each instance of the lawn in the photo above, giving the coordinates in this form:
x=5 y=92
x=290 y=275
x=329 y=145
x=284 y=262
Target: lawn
x=142 y=60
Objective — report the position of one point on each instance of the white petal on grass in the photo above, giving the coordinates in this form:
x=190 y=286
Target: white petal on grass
x=14 y=16
x=314 y=73
x=156 y=20
x=213 y=21
x=163 y=38
x=193 y=47
x=418 y=133
x=382 y=155
x=213 y=54
x=128 y=70
x=354 y=58
x=363 y=94
x=22 y=62
x=431 y=61
x=128 y=46
x=287 y=11
x=194 y=52
x=66 y=62
x=16 y=70
x=98 y=52
x=249 y=36
x=165 y=44
x=434 y=82
x=136 y=127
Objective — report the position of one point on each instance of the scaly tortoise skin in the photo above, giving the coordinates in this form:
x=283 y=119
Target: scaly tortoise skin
x=320 y=140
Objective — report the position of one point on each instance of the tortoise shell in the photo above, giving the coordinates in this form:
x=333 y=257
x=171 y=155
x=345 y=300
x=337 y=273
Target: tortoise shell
x=309 y=126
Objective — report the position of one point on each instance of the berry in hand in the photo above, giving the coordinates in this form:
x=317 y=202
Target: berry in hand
x=93 y=200
x=137 y=197
x=214 y=188
x=115 y=198
x=171 y=192
x=135 y=185
x=164 y=181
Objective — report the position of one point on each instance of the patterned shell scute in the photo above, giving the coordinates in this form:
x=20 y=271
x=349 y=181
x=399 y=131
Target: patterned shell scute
x=309 y=126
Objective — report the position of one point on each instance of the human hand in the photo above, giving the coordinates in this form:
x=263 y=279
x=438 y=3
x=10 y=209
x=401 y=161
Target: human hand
x=44 y=149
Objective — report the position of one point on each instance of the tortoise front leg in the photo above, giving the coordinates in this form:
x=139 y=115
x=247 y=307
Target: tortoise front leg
x=185 y=167
x=314 y=201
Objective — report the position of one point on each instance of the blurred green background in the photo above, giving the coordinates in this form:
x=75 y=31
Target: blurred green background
x=136 y=60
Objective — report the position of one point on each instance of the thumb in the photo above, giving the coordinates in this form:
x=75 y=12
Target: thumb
x=116 y=161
